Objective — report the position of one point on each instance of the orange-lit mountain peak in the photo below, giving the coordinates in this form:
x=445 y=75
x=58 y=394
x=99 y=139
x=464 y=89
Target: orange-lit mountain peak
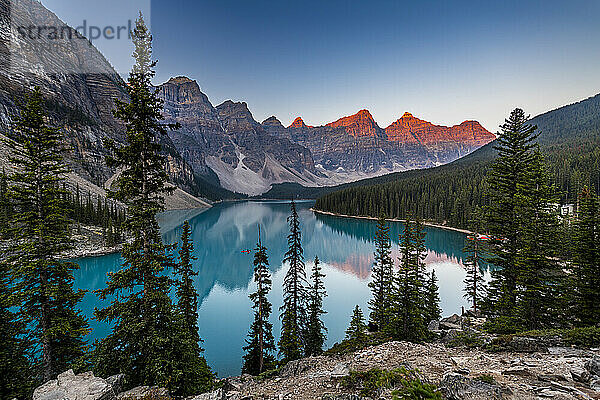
x=298 y=123
x=364 y=113
x=359 y=124
x=409 y=129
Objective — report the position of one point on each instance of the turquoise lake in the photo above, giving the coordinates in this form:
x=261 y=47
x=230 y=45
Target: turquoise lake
x=344 y=246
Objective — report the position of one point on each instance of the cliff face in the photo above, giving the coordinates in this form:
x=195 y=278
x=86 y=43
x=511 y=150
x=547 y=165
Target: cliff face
x=299 y=123
x=359 y=124
x=79 y=87
x=227 y=141
x=78 y=84
x=409 y=129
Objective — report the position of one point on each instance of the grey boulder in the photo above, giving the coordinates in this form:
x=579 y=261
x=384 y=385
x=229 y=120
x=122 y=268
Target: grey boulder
x=69 y=386
x=145 y=392
x=593 y=366
x=458 y=387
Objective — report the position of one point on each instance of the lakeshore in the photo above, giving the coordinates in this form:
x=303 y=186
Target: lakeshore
x=450 y=228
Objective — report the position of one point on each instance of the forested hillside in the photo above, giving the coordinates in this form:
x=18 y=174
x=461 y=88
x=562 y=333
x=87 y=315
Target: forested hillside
x=569 y=139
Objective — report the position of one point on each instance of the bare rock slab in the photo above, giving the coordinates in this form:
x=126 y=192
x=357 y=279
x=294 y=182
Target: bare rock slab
x=69 y=386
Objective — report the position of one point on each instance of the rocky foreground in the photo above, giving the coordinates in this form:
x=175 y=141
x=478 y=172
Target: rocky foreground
x=458 y=373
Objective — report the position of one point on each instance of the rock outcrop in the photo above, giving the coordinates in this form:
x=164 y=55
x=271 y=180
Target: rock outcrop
x=359 y=124
x=86 y=386
x=408 y=129
x=68 y=386
x=299 y=123
x=459 y=373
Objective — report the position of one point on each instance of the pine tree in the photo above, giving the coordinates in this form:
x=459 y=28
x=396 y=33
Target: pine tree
x=585 y=281
x=16 y=375
x=474 y=284
x=5 y=205
x=382 y=281
x=507 y=180
x=538 y=273
x=356 y=333
x=315 y=332
x=145 y=343
x=409 y=312
x=41 y=234
x=260 y=344
x=433 y=312
x=293 y=311
x=193 y=373
x=186 y=293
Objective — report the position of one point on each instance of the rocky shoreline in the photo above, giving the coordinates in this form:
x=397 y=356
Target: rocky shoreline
x=89 y=241
x=431 y=224
x=92 y=251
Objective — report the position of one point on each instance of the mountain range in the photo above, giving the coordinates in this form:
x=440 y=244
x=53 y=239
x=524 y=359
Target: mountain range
x=219 y=150
x=249 y=157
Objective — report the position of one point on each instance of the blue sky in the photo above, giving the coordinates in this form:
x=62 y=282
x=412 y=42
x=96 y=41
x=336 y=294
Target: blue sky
x=444 y=61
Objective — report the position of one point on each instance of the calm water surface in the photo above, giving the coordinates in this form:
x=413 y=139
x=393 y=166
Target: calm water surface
x=344 y=246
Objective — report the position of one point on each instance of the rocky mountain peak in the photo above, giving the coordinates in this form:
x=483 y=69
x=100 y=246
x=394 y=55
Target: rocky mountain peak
x=359 y=124
x=178 y=80
x=239 y=109
x=298 y=123
x=409 y=129
x=272 y=121
x=236 y=117
x=183 y=90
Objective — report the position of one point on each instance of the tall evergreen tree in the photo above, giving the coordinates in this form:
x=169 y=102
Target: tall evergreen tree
x=315 y=332
x=433 y=312
x=146 y=341
x=474 y=284
x=356 y=333
x=585 y=281
x=260 y=344
x=5 y=204
x=16 y=375
x=293 y=311
x=409 y=312
x=186 y=293
x=41 y=234
x=538 y=272
x=193 y=373
x=507 y=180
x=382 y=276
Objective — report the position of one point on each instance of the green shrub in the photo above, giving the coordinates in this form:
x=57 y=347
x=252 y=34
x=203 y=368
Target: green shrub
x=579 y=337
x=466 y=339
x=499 y=343
x=416 y=390
x=372 y=382
x=348 y=346
x=583 y=337
x=487 y=378
x=272 y=373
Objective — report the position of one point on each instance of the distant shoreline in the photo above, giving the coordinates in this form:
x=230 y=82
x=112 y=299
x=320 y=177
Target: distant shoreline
x=449 y=228
x=91 y=251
